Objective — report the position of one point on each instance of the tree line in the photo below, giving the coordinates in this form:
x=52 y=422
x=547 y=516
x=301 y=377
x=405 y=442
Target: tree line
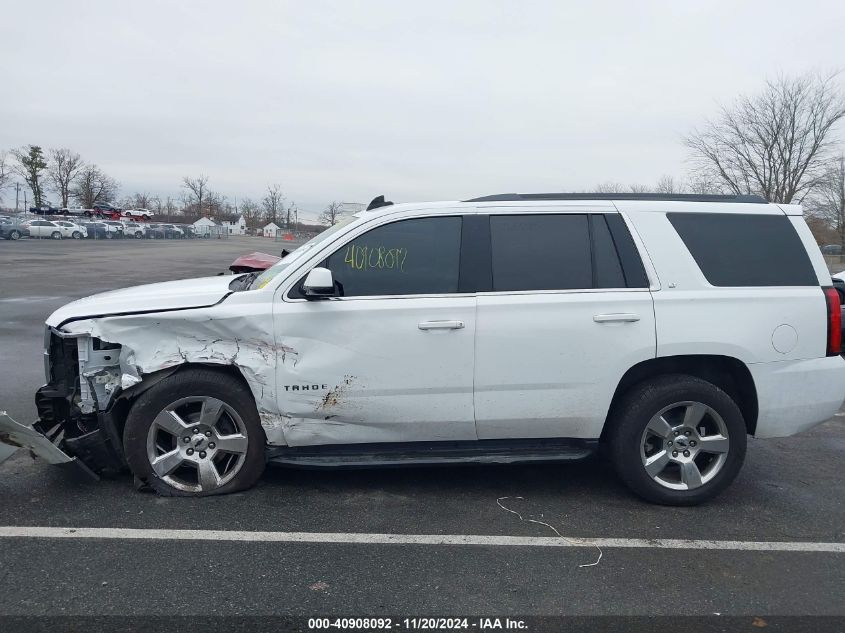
x=65 y=173
x=780 y=143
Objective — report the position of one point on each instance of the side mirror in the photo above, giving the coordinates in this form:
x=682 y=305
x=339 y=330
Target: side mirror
x=318 y=284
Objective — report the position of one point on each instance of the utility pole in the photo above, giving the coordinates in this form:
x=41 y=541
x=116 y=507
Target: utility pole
x=17 y=196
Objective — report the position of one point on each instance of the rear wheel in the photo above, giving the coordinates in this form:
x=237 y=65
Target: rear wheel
x=15 y=235
x=56 y=235
x=677 y=440
x=195 y=433
x=138 y=235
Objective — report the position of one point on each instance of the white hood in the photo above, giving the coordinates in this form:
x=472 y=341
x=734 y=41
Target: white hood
x=169 y=295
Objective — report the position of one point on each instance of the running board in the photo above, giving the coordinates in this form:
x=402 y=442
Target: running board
x=517 y=451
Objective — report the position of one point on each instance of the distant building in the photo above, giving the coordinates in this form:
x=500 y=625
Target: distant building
x=271 y=229
x=233 y=225
x=205 y=222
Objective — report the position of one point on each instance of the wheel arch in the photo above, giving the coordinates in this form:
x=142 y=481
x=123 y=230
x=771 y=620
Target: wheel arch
x=124 y=401
x=730 y=374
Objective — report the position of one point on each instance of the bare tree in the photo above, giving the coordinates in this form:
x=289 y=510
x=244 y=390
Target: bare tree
x=273 y=203
x=92 y=185
x=63 y=166
x=610 y=187
x=703 y=183
x=666 y=184
x=5 y=172
x=251 y=212
x=30 y=166
x=216 y=204
x=775 y=144
x=829 y=198
x=331 y=213
x=197 y=192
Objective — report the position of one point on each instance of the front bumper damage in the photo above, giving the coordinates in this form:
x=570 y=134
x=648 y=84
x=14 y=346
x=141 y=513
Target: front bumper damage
x=18 y=436
x=76 y=407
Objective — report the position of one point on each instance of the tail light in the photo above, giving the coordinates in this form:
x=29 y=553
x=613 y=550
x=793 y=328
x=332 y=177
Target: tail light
x=834 y=322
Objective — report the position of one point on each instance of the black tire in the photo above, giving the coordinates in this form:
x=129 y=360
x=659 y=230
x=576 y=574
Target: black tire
x=138 y=235
x=56 y=235
x=632 y=414
x=194 y=382
x=15 y=235
x=76 y=235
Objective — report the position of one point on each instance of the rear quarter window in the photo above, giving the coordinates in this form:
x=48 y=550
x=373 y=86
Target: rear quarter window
x=733 y=249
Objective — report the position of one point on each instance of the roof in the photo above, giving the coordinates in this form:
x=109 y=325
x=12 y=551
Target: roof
x=272 y=224
x=663 y=197
x=599 y=202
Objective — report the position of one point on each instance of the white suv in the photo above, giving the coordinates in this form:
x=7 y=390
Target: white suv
x=514 y=328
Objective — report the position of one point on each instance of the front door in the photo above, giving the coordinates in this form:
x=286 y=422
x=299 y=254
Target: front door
x=570 y=312
x=390 y=359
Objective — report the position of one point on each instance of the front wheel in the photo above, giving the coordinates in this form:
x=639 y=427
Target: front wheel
x=195 y=433
x=15 y=235
x=56 y=235
x=677 y=440
x=77 y=235
x=138 y=235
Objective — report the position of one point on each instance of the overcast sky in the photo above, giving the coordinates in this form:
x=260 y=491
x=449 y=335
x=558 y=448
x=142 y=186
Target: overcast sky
x=417 y=100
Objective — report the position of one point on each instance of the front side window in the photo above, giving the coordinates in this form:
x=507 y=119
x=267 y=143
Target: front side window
x=408 y=257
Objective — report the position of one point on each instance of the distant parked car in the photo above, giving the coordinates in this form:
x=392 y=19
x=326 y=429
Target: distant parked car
x=45 y=228
x=133 y=229
x=44 y=209
x=188 y=231
x=117 y=229
x=75 y=211
x=142 y=214
x=71 y=229
x=161 y=231
x=832 y=249
x=105 y=206
x=97 y=230
x=12 y=229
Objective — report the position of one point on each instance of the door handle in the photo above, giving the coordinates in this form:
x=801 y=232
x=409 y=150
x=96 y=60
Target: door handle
x=624 y=317
x=440 y=325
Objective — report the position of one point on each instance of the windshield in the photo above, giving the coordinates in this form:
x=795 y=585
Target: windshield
x=268 y=275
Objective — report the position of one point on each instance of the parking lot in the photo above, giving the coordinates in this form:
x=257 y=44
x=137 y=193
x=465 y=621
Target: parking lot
x=452 y=551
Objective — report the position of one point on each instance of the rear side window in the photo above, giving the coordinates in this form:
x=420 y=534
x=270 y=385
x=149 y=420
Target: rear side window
x=540 y=252
x=745 y=250
x=408 y=257
x=563 y=252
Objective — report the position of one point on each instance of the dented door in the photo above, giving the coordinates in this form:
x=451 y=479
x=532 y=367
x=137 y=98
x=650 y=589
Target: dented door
x=391 y=359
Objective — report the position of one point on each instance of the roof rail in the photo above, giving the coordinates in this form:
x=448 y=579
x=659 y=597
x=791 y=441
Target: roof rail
x=666 y=197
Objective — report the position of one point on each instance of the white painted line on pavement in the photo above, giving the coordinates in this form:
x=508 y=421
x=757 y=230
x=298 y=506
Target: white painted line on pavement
x=364 y=538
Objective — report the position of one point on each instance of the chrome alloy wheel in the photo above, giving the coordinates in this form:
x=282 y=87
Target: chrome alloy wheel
x=197 y=444
x=684 y=446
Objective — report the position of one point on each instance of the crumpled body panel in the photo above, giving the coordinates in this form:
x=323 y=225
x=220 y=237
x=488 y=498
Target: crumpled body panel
x=237 y=333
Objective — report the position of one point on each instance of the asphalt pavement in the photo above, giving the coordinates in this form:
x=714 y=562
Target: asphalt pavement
x=790 y=491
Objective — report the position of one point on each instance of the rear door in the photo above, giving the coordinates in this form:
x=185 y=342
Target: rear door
x=568 y=313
